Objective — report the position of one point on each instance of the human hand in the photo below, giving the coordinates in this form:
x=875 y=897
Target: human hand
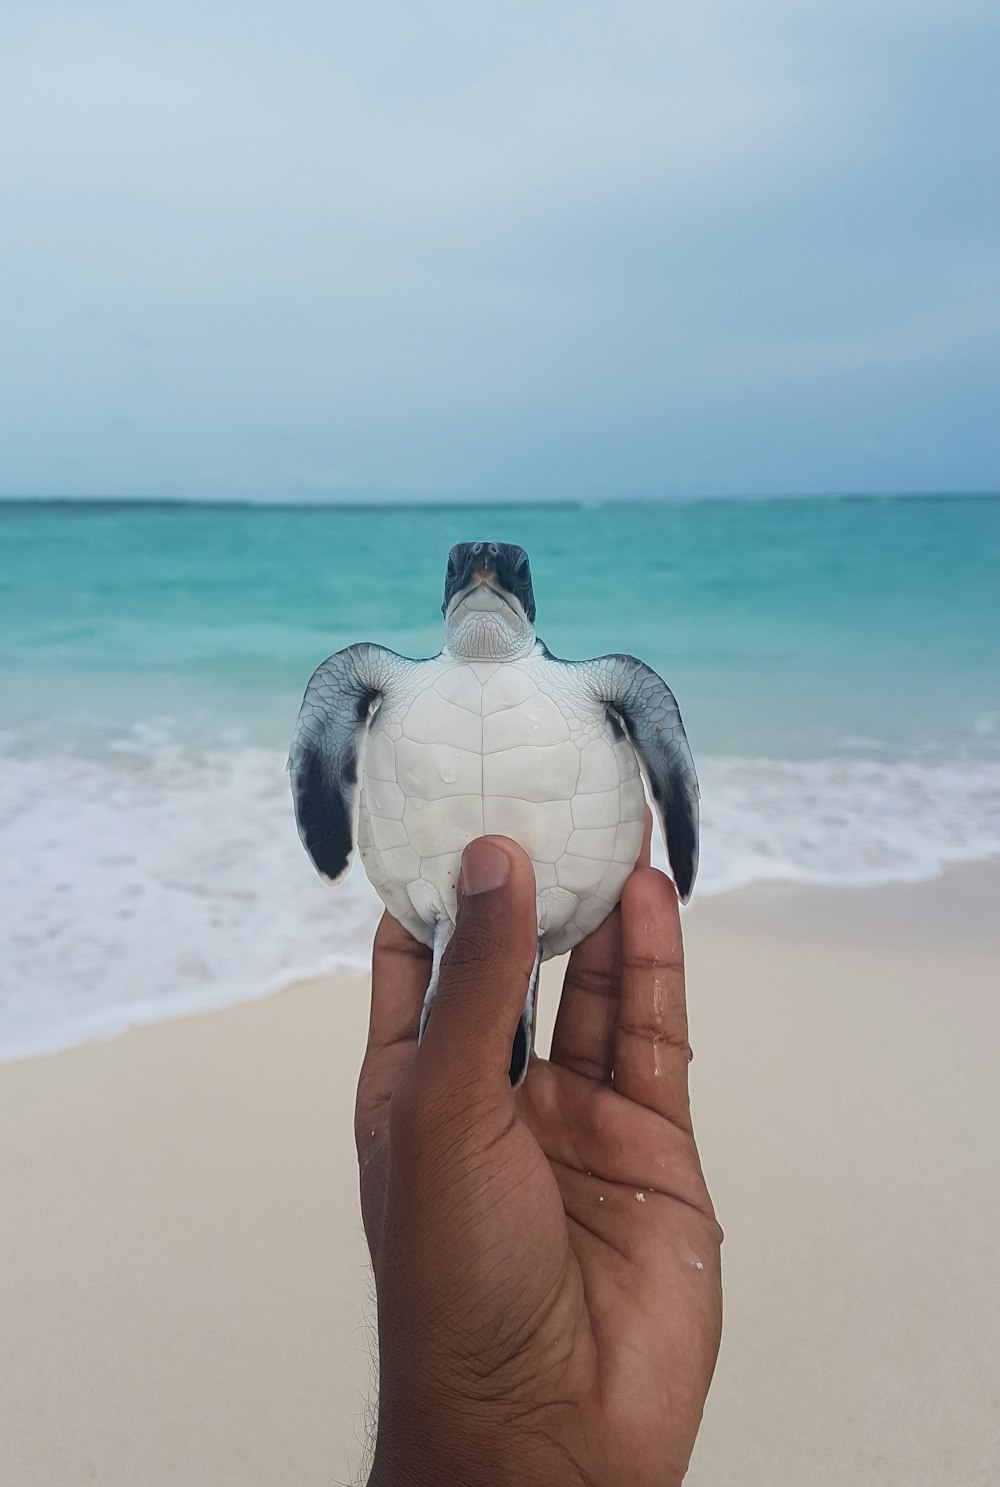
x=546 y=1260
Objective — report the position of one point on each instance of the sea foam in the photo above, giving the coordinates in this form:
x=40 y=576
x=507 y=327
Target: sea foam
x=145 y=880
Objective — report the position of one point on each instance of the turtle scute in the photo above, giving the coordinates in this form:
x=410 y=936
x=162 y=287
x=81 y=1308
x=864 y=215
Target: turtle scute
x=499 y=748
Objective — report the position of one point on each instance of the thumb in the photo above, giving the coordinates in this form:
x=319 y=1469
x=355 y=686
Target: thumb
x=486 y=968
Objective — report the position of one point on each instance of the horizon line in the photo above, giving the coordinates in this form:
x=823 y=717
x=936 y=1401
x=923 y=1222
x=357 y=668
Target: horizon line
x=249 y=503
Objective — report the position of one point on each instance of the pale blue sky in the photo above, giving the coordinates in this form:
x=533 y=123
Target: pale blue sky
x=541 y=250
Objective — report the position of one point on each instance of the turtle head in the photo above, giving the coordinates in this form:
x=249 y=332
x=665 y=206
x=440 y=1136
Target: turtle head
x=489 y=605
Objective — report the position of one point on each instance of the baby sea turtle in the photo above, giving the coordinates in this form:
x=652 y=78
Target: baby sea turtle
x=411 y=760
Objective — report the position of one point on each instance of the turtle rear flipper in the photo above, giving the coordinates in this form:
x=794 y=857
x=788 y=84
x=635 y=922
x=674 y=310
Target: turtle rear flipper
x=524 y=1037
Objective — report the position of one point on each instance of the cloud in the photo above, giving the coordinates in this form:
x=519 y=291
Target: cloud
x=93 y=108
x=401 y=245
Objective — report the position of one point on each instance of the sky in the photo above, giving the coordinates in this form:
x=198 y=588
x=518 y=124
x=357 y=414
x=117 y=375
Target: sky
x=441 y=249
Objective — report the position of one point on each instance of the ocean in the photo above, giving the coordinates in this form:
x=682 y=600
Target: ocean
x=837 y=664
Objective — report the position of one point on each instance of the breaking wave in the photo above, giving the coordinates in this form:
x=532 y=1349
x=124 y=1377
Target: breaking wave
x=143 y=880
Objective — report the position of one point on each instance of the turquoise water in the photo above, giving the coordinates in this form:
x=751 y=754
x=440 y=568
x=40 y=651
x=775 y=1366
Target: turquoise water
x=783 y=627
x=837 y=664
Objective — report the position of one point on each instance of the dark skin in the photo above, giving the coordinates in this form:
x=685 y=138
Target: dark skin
x=546 y=1260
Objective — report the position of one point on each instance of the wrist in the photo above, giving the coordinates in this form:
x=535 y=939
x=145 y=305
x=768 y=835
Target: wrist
x=414 y=1468
x=412 y=1459
x=435 y=1432
x=435 y=1454
x=411 y=1467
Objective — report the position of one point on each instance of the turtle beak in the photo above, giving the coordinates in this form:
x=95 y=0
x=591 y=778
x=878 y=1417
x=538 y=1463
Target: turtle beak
x=484 y=566
x=476 y=565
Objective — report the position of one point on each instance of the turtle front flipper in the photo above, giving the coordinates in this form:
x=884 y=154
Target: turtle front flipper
x=323 y=760
x=644 y=705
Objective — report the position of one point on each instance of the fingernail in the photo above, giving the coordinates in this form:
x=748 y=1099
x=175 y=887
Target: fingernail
x=484 y=867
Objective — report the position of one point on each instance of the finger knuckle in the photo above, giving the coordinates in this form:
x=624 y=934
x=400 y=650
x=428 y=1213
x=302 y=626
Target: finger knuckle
x=406 y=1108
x=606 y=985
x=656 y=1033
x=648 y=960
x=474 y=957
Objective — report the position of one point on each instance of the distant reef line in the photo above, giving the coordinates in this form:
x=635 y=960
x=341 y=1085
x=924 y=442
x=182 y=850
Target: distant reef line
x=239 y=503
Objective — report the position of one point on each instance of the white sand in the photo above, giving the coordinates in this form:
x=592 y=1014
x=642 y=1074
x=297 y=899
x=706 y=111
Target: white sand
x=184 y=1294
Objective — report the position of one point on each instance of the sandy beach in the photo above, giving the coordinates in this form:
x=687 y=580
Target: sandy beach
x=184 y=1288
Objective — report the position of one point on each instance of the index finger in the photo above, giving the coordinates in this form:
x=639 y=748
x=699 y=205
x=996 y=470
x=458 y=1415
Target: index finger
x=401 y=968
x=652 y=1052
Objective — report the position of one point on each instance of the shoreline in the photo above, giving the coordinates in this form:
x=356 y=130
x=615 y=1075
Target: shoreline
x=969 y=874
x=185 y=1284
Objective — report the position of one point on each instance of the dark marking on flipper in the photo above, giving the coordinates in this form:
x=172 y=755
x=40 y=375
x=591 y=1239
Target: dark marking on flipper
x=323 y=813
